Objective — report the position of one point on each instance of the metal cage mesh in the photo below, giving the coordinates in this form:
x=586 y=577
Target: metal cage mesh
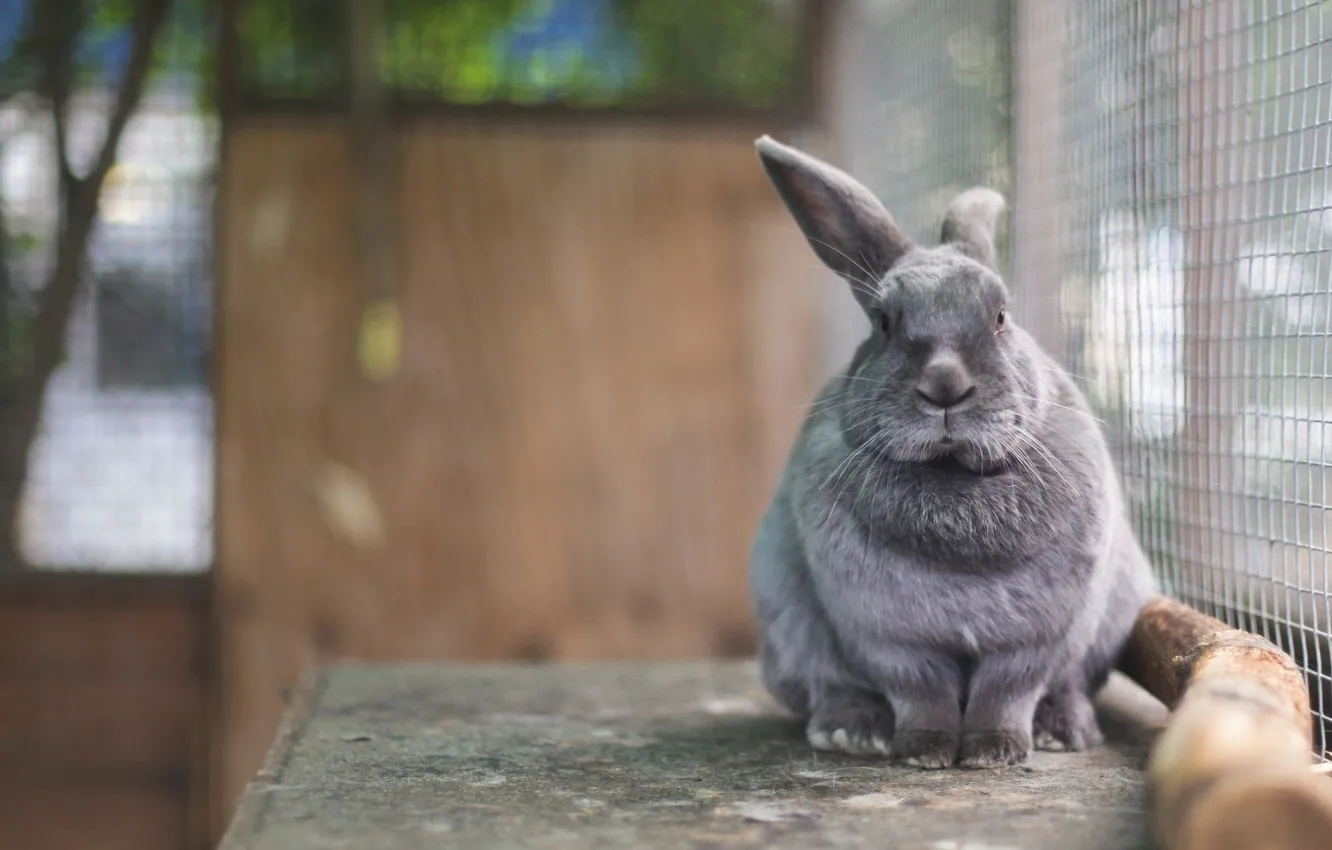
x=1172 y=241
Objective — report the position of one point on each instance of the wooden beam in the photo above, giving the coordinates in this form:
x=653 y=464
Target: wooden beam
x=1232 y=769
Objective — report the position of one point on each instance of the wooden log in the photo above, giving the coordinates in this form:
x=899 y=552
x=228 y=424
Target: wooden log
x=1232 y=767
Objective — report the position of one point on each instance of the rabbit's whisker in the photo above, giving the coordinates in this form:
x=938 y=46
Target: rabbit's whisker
x=849 y=259
x=1057 y=467
x=1058 y=405
x=860 y=460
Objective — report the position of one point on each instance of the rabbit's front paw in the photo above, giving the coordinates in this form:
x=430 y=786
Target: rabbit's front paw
x=858 y=727
x=1066 y=721
x=927 y=748
x=995 y=748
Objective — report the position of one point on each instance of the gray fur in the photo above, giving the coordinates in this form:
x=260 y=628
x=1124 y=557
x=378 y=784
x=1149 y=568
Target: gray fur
x=847 y=227
x=941 y=602
x=970 y=223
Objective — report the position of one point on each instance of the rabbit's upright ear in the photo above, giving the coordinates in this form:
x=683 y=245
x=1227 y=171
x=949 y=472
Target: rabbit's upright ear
x=971 y=222
x=845 y=224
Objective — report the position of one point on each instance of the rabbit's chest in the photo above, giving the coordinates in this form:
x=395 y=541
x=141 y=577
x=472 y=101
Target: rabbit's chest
x=875 y=595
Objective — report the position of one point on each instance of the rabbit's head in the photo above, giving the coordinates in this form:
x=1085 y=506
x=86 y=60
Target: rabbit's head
x=945 y=376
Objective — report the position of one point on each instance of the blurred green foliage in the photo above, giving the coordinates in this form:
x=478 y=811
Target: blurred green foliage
x=712 y=50
x=576 y=52
x=292 y=48
x=99 y=33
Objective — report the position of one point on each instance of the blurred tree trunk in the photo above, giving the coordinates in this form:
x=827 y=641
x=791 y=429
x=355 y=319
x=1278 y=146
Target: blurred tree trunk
x=55 y=29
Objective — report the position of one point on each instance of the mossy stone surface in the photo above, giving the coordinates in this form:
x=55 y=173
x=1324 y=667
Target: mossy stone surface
x=694 y=755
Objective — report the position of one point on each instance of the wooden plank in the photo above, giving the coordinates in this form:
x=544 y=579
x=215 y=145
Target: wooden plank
x=98 y=729
x=106 y=818
x=651 y=756
x=107 y=641
x=609 y=338
x=102 y=687
x=87 y=589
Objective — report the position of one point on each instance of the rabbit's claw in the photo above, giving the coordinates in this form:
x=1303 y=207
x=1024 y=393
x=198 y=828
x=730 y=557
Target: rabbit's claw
x=925 y=748
x=856 y=728
x=1066 y=721
x=995 y=748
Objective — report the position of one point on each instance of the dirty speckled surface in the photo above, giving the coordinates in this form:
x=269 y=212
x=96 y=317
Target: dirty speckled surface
x=401 y=757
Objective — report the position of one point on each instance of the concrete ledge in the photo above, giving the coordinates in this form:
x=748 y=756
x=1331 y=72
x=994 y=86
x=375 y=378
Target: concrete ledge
x=400 y=757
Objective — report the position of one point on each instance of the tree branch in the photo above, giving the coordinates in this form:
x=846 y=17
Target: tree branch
x=81 y=208
x=78 y=212
x=56 y=26
x=147 y=22
x=1231 y=768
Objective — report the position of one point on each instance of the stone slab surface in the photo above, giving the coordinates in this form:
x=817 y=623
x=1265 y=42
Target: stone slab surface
x=401 y=757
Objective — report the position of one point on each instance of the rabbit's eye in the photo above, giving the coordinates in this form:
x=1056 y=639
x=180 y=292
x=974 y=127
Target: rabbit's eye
x=999 y=321
x=885 y=324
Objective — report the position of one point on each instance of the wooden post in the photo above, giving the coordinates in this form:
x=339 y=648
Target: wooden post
x=1040 y=187
x=1211 y=55
x=1232 y=768
x=379 y=349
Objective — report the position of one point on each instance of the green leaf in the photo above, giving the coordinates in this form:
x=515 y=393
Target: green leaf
x=738 y=51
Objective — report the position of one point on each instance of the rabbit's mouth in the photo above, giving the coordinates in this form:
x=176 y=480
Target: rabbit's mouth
x=956 y=456
x=950 y=462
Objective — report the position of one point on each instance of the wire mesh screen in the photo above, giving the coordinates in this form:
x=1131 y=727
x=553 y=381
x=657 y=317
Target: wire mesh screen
x=1172 y=242
x=926 y=102
x=921 y=106
x=107 y=153
x=1196 y=162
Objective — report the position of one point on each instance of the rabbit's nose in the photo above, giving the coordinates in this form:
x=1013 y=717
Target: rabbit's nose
x=945 y=382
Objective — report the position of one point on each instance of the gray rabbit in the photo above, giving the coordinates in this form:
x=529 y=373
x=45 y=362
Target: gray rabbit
x=946 y=571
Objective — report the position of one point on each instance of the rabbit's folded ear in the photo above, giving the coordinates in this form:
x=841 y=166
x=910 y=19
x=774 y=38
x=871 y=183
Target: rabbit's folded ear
x=970 y=224
x=845 y=224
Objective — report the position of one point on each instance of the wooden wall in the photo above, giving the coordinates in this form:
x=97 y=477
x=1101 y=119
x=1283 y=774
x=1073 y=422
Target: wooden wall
x=609 y=335
x=102 y=732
